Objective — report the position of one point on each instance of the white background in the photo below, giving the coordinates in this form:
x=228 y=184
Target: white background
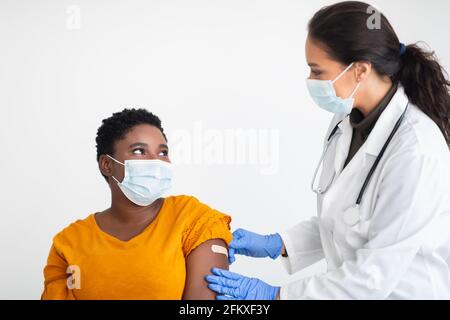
x=219 y=65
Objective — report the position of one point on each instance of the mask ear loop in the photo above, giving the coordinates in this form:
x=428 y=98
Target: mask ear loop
x=356 y=89
x=340 y=76
x=118 y=182
x=342 y=73
x=115 y=160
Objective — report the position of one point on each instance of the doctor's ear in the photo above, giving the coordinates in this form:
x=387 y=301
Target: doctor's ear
x=105 y=165
x=362 y=70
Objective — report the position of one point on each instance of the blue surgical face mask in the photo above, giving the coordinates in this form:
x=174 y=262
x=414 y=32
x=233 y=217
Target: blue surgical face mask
x=324 y=94
x=145 y=181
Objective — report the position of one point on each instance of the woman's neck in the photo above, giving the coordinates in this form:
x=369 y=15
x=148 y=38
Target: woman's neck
x=124 y=211
x=375 y=92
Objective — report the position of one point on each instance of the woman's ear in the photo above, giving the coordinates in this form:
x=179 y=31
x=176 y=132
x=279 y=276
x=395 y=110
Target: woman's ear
x=362 y=70
x=104 y=164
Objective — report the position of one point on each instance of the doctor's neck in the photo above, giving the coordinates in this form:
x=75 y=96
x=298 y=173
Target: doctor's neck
x=371 y=93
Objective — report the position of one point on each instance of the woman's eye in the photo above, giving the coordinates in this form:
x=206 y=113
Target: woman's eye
x=164 y=153
x=316 y=73
x=138 y=151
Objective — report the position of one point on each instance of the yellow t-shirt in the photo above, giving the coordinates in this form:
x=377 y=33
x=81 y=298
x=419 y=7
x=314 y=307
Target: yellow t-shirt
x=151 y=265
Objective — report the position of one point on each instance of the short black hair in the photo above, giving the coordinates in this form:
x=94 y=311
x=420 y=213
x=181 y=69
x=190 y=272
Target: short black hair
x=119 y=124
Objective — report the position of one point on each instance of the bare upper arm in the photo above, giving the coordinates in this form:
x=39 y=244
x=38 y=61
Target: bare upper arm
x=198 y=265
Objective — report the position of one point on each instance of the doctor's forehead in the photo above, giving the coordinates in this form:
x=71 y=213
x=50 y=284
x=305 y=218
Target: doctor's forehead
x=315 y=53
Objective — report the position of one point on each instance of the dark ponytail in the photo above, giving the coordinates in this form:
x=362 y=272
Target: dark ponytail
x=426 y=85
x=343 y=30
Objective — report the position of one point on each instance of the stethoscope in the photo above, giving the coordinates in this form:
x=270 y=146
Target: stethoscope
x=352 y=215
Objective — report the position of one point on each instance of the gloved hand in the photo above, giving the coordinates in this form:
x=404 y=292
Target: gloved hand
x=254 y=245
x=233 y=286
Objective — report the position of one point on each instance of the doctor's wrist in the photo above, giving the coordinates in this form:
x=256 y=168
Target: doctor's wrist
x=284 y=253
x=274 y=246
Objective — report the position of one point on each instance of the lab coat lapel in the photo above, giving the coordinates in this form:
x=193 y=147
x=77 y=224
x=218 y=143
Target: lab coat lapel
x=384 y=126
x=343 y=145
x=374 y=143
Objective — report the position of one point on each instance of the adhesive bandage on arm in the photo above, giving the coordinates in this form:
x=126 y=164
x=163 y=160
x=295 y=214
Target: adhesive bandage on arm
x=219 y=249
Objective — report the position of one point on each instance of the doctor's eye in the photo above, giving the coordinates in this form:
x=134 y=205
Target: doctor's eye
x=316 y=73
x=138 y=151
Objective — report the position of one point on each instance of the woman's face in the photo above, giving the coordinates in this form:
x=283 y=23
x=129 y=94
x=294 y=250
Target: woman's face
x=143 y=141
x=324 y=68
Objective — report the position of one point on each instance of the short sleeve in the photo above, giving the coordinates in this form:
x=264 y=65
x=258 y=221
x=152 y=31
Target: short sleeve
x=205 y=223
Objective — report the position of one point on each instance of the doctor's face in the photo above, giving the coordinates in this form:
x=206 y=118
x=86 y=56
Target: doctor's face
x=324 y=68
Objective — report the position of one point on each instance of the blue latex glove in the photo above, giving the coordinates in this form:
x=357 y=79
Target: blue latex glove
x=254 y=245
x=233 y=286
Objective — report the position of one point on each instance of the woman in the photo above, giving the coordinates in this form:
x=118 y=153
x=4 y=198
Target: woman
x=143 y=246
x=383 y=194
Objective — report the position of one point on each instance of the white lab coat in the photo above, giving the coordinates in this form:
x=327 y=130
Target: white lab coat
x=399 y=246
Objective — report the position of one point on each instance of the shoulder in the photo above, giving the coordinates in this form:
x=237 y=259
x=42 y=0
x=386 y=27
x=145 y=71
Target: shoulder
x=419 y=157
x=74 y=232
x=180 y=202
x=199 y=221
x=420 y=137
x=189 y=209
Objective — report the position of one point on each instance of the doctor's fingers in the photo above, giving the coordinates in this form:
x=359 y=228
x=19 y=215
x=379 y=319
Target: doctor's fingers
x=240 y=233
x=231 y=257
x=226 y=274
x=223 y=297
x=242 y=245
x=222 y=281
x=234 y=292
x=237 y=243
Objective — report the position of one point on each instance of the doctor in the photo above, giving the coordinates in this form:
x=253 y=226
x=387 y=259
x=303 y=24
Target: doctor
x=383 y=194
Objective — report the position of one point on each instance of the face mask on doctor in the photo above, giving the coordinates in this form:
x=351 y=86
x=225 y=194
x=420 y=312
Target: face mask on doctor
x=145 y=181
x=324 y=94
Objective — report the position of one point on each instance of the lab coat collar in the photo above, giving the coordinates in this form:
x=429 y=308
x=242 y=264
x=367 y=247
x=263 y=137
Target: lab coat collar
x=378 y=135
x=385 y=124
